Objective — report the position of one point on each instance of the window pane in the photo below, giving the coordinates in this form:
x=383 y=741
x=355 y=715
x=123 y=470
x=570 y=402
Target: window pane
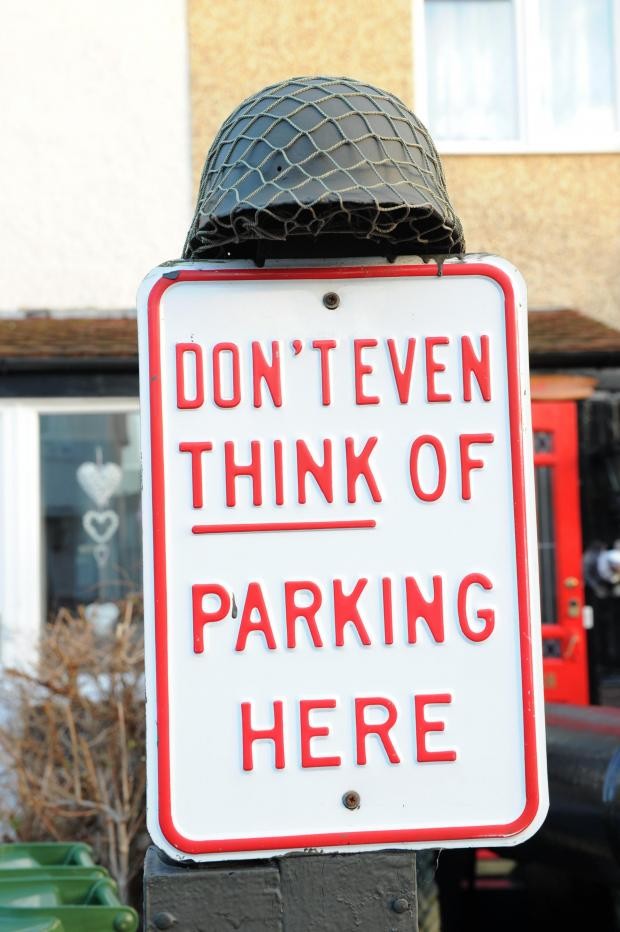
x=576 y=80
x=546 y=543
x=90 y=476
x=470 y=54
x=543 y=442
x=552 y=647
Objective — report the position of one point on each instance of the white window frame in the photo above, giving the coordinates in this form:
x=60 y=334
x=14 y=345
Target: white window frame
x=531 y=140
x=22 y=570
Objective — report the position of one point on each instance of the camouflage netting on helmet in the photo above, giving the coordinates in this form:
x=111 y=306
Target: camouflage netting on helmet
x=327 y=159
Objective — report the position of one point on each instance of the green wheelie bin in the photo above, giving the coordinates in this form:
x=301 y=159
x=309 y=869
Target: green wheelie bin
x=35 y=901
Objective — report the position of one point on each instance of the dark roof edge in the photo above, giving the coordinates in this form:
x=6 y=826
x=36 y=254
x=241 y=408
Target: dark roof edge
x=573 y=359
x=10 y=364
x=129 y=364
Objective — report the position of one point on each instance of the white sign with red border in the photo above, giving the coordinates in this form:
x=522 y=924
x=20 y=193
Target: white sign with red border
x=341 y=591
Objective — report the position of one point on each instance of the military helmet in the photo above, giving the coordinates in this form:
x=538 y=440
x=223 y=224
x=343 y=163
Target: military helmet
x=325 y=166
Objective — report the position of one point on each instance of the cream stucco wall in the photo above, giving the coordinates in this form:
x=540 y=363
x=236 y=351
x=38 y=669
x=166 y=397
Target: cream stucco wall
x=95 y=152
x=557 y=217
x=239 y=46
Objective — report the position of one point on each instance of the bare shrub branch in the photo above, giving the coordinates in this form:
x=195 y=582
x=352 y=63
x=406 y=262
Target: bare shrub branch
x=72 y=741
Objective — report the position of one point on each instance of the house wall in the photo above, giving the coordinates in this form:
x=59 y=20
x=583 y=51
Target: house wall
x=237 y=47
x=95 y=154
x=555 y=216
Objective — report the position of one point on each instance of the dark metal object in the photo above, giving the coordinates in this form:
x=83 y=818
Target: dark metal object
x=583 y=825
x=298 y=893
x=220 y=897
x=331 y=300
x=401 y=905
x=164 y=921
x=351 y=800
x=327 y=166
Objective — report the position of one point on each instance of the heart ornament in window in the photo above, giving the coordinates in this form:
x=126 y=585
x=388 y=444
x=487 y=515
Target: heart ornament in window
x=102 y=615
x=100 y=481
x=101 y=526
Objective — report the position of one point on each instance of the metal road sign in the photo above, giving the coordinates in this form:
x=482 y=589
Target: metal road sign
x=343 y=636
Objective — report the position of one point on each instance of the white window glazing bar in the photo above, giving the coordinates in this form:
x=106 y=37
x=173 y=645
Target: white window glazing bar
x=525 y=18
x=20 y=528
x=420 y=87
x=615 y=15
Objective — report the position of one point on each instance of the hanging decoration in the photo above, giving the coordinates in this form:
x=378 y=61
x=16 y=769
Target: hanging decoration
x=100 y=481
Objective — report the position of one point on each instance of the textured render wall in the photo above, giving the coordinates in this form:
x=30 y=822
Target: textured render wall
x=239 y=46
x=557 y=217
x=95 y=156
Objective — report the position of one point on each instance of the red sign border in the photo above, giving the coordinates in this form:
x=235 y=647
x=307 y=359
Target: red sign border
x=440 y=836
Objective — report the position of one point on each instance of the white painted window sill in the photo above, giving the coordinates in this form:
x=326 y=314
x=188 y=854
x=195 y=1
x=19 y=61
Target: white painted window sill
x=487 y=147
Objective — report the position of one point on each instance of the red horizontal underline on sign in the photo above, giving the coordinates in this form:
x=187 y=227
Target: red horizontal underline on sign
x=282 y=526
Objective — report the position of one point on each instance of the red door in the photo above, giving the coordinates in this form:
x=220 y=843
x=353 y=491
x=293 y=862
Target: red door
x=560 y=551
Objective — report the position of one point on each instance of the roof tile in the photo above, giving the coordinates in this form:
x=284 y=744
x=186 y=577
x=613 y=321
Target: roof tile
x=550 y=333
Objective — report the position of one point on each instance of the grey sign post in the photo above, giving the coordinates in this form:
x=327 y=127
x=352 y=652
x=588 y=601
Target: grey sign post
x=299 y=893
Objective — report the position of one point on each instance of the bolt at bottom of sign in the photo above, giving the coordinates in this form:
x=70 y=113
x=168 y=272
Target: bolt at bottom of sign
x=351 y=800
x=163 y=920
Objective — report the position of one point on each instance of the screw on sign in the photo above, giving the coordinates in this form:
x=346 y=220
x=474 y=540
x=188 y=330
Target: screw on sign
x=331 y=300
x=351 y=800
x=338 y=518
